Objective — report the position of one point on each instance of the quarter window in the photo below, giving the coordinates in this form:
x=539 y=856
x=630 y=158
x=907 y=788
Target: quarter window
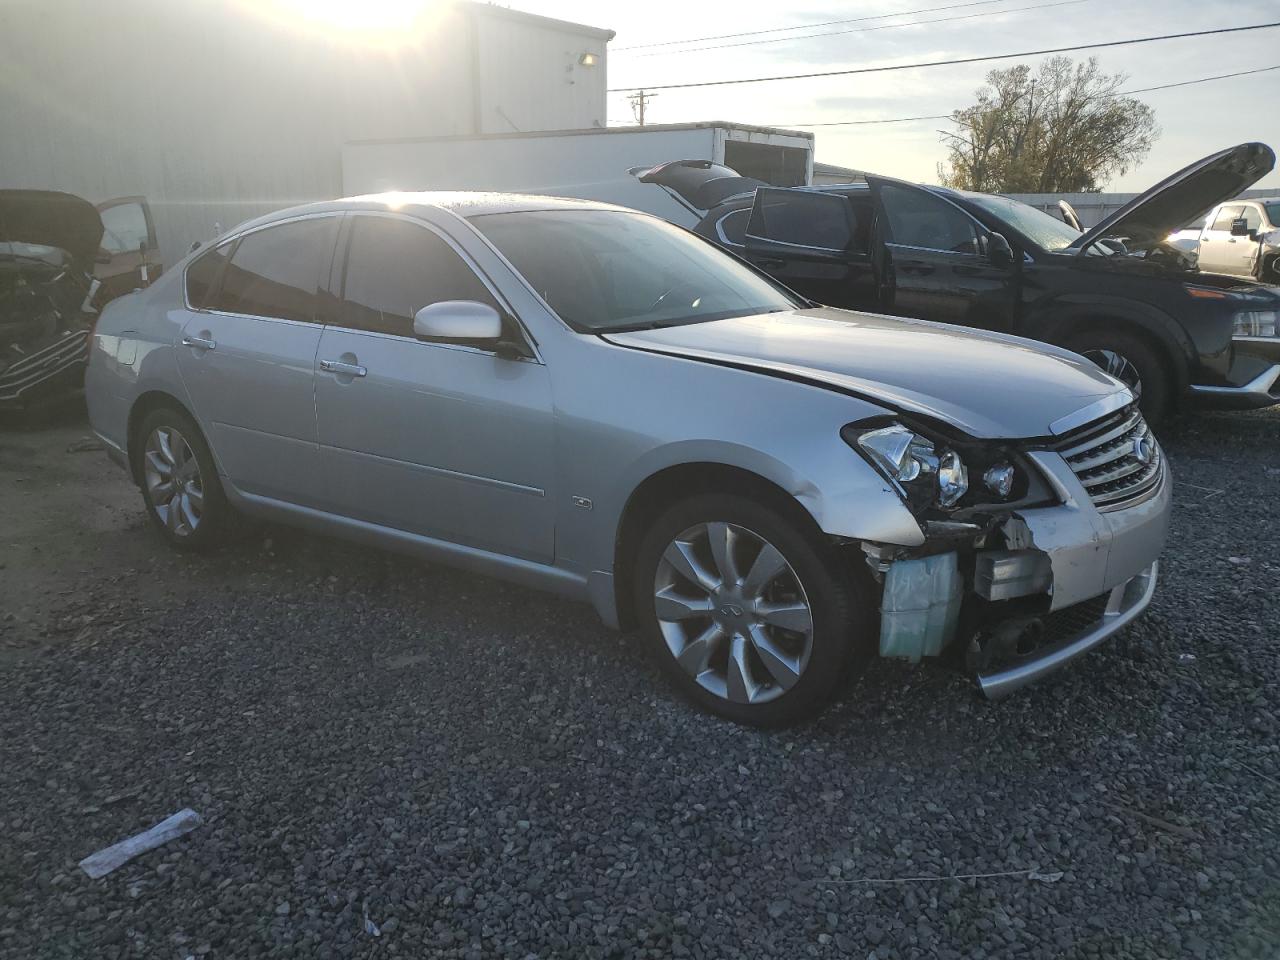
x=733 y=226
x=275 y=272
x=919 y=219
x=202 y=276
x=394 y=269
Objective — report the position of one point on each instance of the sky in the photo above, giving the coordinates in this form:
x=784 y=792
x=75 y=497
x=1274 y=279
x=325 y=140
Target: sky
x=1194 y=120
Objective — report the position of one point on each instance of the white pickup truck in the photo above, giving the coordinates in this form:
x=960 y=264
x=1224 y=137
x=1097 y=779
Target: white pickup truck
x=1239 y=237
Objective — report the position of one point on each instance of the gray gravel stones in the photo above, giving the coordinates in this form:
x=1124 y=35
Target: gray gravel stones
x=530 y=787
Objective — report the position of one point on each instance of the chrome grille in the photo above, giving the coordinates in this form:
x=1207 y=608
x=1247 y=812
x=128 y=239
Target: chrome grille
x=1117 y=460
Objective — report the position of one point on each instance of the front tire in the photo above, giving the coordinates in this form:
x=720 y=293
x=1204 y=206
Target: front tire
x=752 y=615
x=179 y=480
x=1135 y=363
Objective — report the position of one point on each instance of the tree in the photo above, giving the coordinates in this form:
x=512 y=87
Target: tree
x=1064 y=129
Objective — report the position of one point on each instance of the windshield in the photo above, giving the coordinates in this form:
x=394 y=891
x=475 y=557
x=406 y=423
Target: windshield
x=604 y=271
x=1273 y=213
x=1045 y=231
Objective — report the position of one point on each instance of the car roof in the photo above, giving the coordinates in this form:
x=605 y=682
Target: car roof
x=462 y=203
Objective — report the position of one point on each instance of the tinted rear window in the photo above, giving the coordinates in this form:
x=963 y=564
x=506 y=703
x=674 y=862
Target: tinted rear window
x=276 y=272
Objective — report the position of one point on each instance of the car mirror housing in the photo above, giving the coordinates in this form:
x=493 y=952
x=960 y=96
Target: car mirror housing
x=457 y=320
x=1240 y=227
x=998 y=250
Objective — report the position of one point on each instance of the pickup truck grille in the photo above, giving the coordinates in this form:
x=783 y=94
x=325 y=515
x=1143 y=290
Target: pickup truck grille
x=1117 y=459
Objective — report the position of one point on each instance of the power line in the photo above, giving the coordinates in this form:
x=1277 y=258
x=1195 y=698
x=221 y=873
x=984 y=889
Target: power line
x=947 y=116
x=804 y=26
x=948 y=63
x=885 y=26
x=1187 y=83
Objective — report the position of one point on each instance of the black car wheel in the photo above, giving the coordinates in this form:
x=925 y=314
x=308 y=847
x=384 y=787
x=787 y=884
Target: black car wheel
x=752 y=615
x=1135 y=364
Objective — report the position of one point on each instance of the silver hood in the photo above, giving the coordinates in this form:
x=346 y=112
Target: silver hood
x=986 y=384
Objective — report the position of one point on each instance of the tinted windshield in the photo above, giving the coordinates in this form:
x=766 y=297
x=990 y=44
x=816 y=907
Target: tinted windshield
x=605 y=270
x=1045 y=231
x=1273 y=213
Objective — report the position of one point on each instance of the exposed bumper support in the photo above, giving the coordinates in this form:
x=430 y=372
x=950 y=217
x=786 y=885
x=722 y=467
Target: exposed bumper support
x=1256 y=393
x=1124 y=603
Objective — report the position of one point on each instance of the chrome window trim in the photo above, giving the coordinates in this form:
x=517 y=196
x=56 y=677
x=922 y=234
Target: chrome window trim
x=442 y=344
x=471 y=264
x=720 y=228
x=236 y=237
x=949 y=253
x=799 y=246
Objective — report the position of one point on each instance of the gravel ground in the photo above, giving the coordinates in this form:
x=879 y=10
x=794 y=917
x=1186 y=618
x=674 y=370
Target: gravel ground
x=484 y=771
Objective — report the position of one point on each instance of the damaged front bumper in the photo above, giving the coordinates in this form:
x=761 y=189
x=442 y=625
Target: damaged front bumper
x=1024 y=592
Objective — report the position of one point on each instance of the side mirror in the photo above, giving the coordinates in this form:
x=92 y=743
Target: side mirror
x=1239 y=227
x=467 y=321
x=457 y=320
x=998 y=250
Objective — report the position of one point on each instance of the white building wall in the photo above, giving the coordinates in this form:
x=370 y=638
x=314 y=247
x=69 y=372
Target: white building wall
x=217 y=112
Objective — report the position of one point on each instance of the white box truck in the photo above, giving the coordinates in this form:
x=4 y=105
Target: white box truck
x=615 y=165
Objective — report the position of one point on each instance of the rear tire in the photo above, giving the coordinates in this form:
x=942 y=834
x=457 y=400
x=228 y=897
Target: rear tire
x=1133 y=361
x=180 y=486
x=752 y=616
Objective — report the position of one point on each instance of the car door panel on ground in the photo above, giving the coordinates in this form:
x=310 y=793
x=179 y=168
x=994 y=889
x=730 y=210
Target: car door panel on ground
x=441 y=439
x=248 y=355
x=936 y=265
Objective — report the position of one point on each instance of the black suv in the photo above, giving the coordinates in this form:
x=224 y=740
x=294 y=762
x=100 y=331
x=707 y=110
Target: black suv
x=1119 y=293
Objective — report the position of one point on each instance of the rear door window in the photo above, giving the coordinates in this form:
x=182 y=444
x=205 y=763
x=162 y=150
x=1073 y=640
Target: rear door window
x=275 y=272
x=919 y=219
x=802 y=218
x=394 y=269
x=1252 y=218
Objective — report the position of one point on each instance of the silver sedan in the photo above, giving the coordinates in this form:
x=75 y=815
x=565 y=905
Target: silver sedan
x=588 y=400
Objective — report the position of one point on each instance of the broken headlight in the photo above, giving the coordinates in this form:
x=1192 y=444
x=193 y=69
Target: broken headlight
x=926 y=475
x=935 y=475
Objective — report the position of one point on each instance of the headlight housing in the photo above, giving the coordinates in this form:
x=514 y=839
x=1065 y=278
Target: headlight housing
x=1254 y=323
x=935 y=476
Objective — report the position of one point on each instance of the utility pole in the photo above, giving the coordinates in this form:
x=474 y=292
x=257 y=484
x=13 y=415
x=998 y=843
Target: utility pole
x=639 y=100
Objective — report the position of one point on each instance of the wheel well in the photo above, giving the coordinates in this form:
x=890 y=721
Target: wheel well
x=666 y=487
x=147 y=402
x=1173 y=360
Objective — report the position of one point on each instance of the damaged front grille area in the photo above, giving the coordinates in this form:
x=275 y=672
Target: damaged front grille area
x=1117 y=459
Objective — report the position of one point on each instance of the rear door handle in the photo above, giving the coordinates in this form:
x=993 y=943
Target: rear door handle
x=200 y=343
x=344 y=369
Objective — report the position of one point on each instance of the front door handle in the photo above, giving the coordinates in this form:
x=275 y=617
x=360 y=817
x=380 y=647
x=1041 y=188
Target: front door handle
x=343 y=369
x=769 y=263
x=200 y=343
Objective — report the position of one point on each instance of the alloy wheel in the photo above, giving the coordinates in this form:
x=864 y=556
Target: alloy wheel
x=1119 y=366
x=174 y=485
x=733 y=613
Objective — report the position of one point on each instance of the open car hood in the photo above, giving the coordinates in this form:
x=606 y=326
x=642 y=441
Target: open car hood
x=52 y=219
x=987 y=384
x=1147 y=219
